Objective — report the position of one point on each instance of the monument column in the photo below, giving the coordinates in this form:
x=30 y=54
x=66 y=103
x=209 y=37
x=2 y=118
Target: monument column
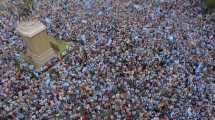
x=37 y=41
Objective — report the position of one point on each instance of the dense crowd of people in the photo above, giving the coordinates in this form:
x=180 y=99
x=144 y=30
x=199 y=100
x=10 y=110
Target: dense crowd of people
x=128 y=59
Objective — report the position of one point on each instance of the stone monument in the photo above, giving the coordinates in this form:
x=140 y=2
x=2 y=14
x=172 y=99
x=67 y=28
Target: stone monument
x=37 y=41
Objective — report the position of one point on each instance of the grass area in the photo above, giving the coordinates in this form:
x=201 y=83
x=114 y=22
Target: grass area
x=61 y=44
x=210 y=3
x=29 y=60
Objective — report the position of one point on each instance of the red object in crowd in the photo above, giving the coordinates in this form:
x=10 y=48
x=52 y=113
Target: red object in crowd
x=128 y=113
x=29 y=56
x=83 y=118
x=66 y=65
x=164 y=118
x=47 y=66
x=17 y=77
